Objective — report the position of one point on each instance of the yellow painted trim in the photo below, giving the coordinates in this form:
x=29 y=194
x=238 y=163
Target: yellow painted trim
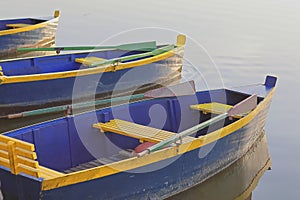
x=56 y=13
x=28 y=28
x=17 y=25
x=83 y=72
x=181 y=39
x=132 y=163
x=21 y=144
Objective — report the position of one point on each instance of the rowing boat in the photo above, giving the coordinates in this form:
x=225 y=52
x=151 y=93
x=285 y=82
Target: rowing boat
x=150 y=149
x=27 y=32
x=46 y=81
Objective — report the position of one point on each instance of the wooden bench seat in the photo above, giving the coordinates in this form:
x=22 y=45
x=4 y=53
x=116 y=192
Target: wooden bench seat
x=214 y=108
x=143 y=133
x=17 y=25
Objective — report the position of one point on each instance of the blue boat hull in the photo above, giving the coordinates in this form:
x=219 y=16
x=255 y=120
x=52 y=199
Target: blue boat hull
x=21 y=96
x=185 y=171
x=67 y=142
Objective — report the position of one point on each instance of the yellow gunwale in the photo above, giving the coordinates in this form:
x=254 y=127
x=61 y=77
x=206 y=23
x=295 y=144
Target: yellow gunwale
x=28 y=28
x=83 y=72
x=132 y=163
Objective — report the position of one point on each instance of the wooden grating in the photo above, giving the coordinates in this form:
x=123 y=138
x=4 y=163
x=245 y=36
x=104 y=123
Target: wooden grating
x=143 y=133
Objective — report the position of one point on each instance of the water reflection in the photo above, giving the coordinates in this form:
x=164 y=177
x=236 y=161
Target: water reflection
x=237 y=181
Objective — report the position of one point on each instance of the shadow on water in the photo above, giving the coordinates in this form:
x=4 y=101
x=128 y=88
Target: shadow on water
x=235 y=182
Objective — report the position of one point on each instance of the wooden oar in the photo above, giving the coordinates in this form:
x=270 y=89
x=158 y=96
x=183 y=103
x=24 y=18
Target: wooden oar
x=241 y=108
x=143 y=46
x=135 y=56
x=181 y=89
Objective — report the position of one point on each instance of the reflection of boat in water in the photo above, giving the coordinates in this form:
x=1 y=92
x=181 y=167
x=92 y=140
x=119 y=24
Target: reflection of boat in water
x=151 y=149
x=27 y=32
x=237 y=181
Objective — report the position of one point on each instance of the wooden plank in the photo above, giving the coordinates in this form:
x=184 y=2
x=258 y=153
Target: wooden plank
x=214 y=107
x=4 y=162
x=27 y=162
x=28 y=170
x=143 y=133
x=47 y=173
x=3 y=147
x=12 y=157
x=4 y=154
x=244 y=106
x=26 y=154
x=19 y=143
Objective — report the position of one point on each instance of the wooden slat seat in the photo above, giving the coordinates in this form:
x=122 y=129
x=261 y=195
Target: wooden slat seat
x=130 y=129
x=20 y=25
x=214 y=108
x=88 y=61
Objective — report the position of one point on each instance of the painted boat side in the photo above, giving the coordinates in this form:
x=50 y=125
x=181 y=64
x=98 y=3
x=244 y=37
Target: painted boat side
x=19 y=186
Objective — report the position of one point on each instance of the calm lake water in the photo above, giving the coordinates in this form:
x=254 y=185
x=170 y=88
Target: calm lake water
x=229 y=43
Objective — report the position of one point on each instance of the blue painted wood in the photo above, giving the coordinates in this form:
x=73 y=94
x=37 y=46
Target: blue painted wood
x=52 y=146
x=20 y=187
x=270 y=81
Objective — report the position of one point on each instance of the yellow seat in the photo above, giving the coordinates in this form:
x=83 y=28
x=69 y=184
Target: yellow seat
x=88 y=61
x=17 y=25
x=214 y=108
x=143 y=133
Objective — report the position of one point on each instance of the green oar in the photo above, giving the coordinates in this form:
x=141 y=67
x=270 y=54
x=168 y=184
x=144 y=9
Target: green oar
x=181 y=89
x=143 y=46
x=135 y=56
x=240 y=108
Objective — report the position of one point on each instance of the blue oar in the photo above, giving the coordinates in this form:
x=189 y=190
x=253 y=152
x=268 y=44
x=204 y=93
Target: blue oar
x=241 y=108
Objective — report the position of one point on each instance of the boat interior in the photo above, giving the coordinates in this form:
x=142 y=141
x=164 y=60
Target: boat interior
x=63 y=62
x=18 y=23
x=92 y=139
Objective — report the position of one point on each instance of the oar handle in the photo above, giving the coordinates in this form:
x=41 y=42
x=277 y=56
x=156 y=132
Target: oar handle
x=74 y=106
x=183 y=134
x=187 y=87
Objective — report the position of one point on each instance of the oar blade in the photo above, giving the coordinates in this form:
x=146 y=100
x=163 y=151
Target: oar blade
x=163 y=49
x=244 y=106
x=142 y=46
x=181 y=89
